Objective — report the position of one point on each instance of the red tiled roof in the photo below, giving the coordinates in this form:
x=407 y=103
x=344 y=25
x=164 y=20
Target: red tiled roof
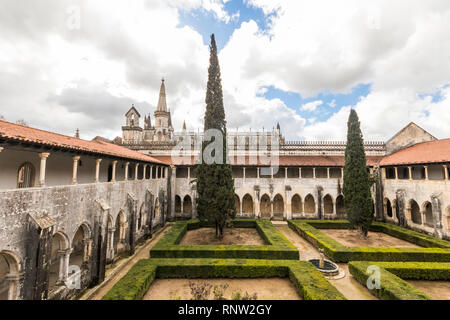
x=12 y=131
x=437 y=151
x=284 y=161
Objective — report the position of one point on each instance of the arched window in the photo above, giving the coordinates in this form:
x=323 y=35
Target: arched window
x=25 y=176
x=296 y=204
x=278 y=207
x=247 y=204
x=187 y=204
x=310 y=204
x=328 y=204
x=416 y=216
x=265 y=207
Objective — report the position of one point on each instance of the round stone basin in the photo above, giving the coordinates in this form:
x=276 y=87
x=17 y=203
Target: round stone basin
x=329 y=268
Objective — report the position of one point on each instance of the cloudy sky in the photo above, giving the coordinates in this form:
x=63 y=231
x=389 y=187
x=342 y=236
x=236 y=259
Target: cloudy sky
x=82 y=63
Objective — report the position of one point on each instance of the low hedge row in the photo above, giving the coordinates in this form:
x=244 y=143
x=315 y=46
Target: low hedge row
x=277 y=246
x=392 y=285
x=340 y=253
x=310 y=283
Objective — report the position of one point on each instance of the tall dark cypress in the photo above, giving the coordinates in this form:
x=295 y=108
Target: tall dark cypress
x=215 y=184
x=357 y=181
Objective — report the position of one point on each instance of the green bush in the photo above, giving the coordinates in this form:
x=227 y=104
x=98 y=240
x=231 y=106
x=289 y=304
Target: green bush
x=309 y=282
x=277 y=246
x=340 y=253
x=434 y=271
x=135 y=283
x=391 y=287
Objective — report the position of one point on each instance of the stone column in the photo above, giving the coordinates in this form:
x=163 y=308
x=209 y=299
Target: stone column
x=285 y=173
x=426 y=172
x=144 y=171
x=257 y=173
x=445 y=172
x=314 y=172
x=75 y=169
x=243 y=175
x=114 y=165
x=110 y=246
x=271 y=172
x=64 y=257
x=127 y=164
x=87 y=243
x=136 y=171
x=396 y=173
x=13 y=286
x=151 y=172
x=383 y=173
x=328 y=173
x=300 y=172
x=342 y=173
x=43 y=157
x=410 y=173
x=97 y=170
x=189 y=173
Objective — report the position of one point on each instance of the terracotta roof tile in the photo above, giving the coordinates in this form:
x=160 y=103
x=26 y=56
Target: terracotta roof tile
x=427 y=152
x=12 y=131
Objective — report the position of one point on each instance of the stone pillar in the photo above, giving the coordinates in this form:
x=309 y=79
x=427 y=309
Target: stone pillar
x=285 y=173
x=189 y=173
x=445 y=172
x=144 y=171
x=396 y=173
x=314 y=173
x=127 y=164
x=75 y=169
x=13 y=286
x=114 y=165
x=342 y=173
x=426 y=172
x=299 y=172
x=151 y=172
x=243 y=175
x=257 y=173
x=110 y=244
x=328 y=173
x=136 y=171
x=383 y=173
x=64 y=257
x=410 y=173
x=43 y=157
x=97 y=170
x=271 y=172
x=87 y=244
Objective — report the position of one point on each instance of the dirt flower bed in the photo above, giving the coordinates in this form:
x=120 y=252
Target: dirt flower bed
x=232 y=236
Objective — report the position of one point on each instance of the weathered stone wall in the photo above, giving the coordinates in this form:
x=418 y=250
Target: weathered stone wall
x=409 y=136
x=69 y=207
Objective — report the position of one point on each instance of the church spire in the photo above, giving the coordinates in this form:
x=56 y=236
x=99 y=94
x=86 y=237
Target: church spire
x=162 y=105
x=184 y=125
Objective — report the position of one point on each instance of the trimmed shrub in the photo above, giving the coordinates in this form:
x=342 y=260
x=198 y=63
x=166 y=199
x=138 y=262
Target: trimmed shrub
x=277 y=246
x=391 y=287
x=340 y=253
x=310 y=283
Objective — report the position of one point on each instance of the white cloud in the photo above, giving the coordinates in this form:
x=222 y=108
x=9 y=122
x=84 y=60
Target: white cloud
x=311 y=106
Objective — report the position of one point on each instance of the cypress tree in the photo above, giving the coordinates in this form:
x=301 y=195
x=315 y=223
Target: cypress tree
x=357 y=180
x=215 y=183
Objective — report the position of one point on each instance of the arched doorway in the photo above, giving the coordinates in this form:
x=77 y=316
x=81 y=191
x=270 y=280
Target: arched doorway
x=177 y=204
x=278 y=207
x=120 y=232
x=60 y=246
x=80 y=246
x=310 y=204
x=340 y=207
x=296 y=204
x=9 y=276
x=187 y=204
x=265 y=207
x=416 y=216
x=328 y=204
x=237 y=204
x=388 y=207
x=247 y=204
x=428 y=212
x=25 y=176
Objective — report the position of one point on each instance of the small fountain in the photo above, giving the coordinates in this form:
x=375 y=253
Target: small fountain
x=328 y=268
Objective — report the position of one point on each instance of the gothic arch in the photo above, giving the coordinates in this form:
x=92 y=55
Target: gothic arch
x=60 y=245
x=177 y=204
x=340 y=206
x=26 y=175
x=416 y=216
x=278 y=206
x=265 y=207
x=328 y=204
x=296 y=204
x=310 y=204
x=428 y=213
x=187 y=204
x=10 y=265
x=120 y=231
x=247 y=204
x=80 y=249
x=237 y=203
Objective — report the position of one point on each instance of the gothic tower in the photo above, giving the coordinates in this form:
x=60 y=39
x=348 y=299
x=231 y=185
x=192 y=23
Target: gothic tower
x=163 y=121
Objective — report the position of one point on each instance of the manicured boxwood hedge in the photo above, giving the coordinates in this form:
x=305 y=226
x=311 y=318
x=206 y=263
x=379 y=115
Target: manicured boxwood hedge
x=310 y=283
x=392 y=285
x=436 y=250
x=277 y=246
